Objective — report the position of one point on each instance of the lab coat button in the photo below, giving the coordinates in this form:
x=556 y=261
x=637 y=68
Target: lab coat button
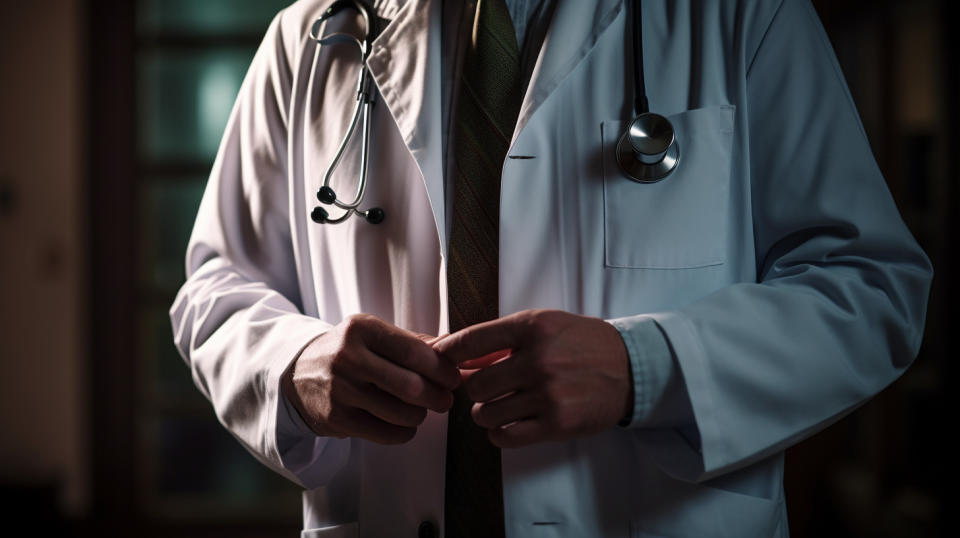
x=427 y=530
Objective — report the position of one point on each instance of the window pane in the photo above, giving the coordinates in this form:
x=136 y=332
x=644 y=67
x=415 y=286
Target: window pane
x=184 y=100
x=165 y=379
x=209 y=17
x=167 y=211
x=195 y=469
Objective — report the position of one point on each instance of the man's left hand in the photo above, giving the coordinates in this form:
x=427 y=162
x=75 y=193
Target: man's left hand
x=542 y=375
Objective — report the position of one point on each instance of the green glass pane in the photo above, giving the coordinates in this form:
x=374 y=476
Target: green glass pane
x=209 y=17
x=184 y=99
x=164 y=376
x=167 y=211
x=192 y=467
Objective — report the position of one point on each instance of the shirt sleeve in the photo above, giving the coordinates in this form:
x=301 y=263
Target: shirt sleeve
x=238 y=320
x=659 y=397
x=838 y=306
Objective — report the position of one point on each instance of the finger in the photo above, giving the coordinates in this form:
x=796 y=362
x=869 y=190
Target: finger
x=407 y=350
x=521 y=433
x=503 y=411
x=465 y=375
x=430 y=339
x=402 y=383
x=483 y=339
x=384 y=406
x=503 y=377
x=359 y=423
x=485 y=361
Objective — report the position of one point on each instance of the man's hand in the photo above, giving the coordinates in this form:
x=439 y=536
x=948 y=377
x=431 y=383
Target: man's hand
x=543 y=375
x=367 y=378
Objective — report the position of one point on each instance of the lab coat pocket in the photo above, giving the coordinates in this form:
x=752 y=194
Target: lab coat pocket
x=679 y=222
x=347 y=530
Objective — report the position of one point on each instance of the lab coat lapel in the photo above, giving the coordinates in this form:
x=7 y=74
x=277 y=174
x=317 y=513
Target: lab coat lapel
x=574 y=30
x=405 y=63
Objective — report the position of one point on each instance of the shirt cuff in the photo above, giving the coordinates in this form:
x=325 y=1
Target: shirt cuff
x=290 y=425
x=651 y=365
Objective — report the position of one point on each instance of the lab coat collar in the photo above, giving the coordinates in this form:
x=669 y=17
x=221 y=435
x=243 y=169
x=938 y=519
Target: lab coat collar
x=405 y=64
x=573 y=31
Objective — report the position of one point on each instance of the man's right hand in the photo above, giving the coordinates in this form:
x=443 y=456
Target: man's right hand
x=367 y=378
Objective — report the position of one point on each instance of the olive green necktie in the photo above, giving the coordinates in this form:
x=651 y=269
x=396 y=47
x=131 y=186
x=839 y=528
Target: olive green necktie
x=487 y=108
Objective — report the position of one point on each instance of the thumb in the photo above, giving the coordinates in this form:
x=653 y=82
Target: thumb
x=483 y=339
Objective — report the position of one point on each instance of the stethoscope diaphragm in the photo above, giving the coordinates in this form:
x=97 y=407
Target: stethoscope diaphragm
x=648 y=150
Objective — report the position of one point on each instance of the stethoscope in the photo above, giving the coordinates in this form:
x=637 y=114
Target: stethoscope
x=366 y=95
x=647 y=151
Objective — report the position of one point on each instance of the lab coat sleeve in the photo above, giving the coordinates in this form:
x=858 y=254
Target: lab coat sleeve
x=838 y=308
x=237 y=320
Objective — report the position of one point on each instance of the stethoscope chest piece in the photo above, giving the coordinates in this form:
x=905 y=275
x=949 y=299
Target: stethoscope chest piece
x=647 y=150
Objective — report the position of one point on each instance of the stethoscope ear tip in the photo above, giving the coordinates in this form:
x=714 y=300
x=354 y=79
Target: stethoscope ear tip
x=326 y=195
x=319 y=215
x=374 y=215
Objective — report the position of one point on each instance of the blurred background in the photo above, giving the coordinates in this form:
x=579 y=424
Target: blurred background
x=110 y=116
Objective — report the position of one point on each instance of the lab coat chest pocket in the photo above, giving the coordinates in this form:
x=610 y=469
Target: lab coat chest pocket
x=681 y=221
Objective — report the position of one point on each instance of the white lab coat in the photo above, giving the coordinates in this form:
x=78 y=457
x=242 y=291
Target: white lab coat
x=773 y=259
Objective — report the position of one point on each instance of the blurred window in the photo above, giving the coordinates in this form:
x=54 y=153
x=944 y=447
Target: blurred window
x=191 y=57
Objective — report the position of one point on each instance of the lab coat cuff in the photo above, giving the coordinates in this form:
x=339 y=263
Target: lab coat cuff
x=651 y=364
x=298 y=447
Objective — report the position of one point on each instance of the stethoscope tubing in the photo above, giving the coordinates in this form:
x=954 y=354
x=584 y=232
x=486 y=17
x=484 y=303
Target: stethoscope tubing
x=362 y=107
x=364 y=103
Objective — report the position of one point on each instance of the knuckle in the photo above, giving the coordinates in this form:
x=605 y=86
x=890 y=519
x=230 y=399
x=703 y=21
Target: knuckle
x=354 y=324
x=538 y=367
x=541 y=322
x=410 y=388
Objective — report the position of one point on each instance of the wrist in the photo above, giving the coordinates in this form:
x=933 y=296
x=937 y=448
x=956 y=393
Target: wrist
x=290 y=393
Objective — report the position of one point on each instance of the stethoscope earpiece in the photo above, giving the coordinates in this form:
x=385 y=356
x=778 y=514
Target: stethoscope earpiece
x=319 y=215
x=326 y=195
x=374 y=215
x=648 y=150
